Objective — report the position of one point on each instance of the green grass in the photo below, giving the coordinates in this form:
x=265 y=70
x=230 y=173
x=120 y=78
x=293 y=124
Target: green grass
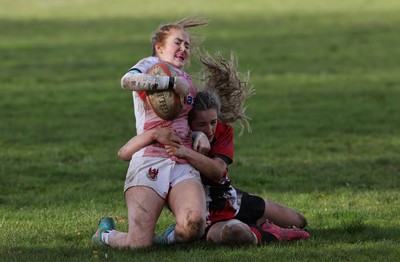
x=325 y=137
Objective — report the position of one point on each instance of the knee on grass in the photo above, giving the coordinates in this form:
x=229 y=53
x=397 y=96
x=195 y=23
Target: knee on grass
x=192 y=228
x=301 y=221
x=141 y=232
x=236 y=233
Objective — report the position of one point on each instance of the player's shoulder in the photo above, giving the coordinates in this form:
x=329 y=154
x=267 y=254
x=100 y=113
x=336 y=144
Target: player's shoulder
x=223 y=128
x=146 y=63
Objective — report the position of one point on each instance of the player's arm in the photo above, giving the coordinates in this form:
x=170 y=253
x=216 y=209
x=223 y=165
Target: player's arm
x=134 y=80
x=212 y=168
x=200 y=142
x=163 y=135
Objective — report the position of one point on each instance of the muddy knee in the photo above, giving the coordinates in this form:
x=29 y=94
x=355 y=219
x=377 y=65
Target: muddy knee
x=236 y=233
x=192 y=228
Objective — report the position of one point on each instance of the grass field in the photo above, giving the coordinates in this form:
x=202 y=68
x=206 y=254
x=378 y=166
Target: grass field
x=326 y=121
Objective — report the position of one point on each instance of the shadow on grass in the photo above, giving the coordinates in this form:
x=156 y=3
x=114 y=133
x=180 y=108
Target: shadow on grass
x=356 y=233
x=345 y=242
x=197 y=251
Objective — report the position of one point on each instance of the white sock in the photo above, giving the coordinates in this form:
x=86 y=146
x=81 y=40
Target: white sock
x=106 y=235
x=255 y=239
x=171 y=238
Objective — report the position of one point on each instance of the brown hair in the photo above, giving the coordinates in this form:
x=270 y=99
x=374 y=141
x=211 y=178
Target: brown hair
x=221 y=76
x=159 y=36
x=205 y=99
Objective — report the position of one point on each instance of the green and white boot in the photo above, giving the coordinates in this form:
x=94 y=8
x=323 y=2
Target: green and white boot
x=162 y=239
x=106 y=224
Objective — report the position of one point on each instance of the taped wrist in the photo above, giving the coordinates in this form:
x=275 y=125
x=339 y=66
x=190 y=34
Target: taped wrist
x=171 y=83
x=144 y=82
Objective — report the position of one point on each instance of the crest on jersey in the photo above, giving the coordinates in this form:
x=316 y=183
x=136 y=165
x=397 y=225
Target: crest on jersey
x=152 y=174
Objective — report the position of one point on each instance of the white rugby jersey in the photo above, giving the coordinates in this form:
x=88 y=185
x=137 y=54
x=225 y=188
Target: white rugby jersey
x=146 y=119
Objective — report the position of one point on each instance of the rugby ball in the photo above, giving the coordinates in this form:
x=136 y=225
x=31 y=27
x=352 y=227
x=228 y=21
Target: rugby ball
x=166 y=104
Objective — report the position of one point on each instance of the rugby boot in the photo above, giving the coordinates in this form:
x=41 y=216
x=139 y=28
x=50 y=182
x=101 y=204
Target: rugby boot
x=162 y=239
x=105 y=224
x=284 y=234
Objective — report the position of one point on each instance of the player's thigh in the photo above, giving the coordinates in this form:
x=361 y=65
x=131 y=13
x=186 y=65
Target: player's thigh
x=144 y=207
x=187 y=199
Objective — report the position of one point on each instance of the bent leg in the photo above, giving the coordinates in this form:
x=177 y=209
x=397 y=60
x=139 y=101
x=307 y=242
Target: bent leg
x=282 y=216
x=231 y=232
x=144 y=208
x=187 y=201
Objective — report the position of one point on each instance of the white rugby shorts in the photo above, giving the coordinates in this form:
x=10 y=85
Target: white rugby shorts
x=158 y=173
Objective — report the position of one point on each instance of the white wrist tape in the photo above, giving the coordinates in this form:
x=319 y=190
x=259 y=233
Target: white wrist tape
x=144 y=82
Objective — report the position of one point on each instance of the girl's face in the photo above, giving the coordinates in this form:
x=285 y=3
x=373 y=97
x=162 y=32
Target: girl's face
x=175 y=48
x=206 y=122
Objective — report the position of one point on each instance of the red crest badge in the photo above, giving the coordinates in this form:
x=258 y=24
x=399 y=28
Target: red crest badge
x=152 y=174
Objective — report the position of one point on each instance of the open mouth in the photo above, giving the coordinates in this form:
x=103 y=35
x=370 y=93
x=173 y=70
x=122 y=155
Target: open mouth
x=181 y=56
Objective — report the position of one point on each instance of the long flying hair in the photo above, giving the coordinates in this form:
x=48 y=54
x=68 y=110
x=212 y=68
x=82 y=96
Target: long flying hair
x=221 y=75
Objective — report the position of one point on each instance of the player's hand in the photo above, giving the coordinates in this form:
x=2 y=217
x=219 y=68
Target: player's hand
x=173 y=151
x=200 y=142
x=167 y=136
x=181 y=86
